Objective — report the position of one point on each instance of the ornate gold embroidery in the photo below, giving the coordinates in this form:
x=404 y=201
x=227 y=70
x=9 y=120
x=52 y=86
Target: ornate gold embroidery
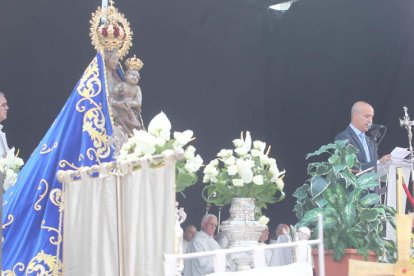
x=56 y=197
x=45 y=150
x=86 y=87
x=64 y=163
x=18 y=266
x=94 y=119
x=10 y=221
x=45 y=265
x=37 y=206
x=55 y=240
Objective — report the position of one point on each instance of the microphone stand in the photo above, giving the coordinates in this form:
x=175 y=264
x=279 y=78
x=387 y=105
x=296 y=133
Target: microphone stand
x=377 y=137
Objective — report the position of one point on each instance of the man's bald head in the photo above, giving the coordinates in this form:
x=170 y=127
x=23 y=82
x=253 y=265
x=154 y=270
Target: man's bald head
x=362 y=115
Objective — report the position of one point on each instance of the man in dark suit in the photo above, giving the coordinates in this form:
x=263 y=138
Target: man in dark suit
x=362 y=114
x=3 y=151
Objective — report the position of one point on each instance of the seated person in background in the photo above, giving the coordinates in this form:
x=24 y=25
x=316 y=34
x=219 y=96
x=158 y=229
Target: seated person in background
x=362 y=115
x=282 y=256
x=189 y=233
x=202 y=241
x=262 y=240
x=303 y=253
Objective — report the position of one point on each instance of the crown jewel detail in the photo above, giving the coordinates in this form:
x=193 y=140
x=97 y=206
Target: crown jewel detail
x=134 y=63
x=110 y=30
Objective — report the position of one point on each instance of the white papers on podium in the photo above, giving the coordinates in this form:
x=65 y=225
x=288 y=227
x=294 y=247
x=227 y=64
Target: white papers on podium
x=399 y=153
x=397 y=158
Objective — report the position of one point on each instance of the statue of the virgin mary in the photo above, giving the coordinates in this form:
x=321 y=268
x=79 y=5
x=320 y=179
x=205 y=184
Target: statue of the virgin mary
x=80 y=136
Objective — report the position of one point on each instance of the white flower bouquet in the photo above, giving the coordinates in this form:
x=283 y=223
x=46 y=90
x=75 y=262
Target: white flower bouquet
x=158 y=140
x=245 y=171
x=10 y=167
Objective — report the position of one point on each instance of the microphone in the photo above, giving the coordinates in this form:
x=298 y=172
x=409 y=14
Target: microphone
x=375 y=126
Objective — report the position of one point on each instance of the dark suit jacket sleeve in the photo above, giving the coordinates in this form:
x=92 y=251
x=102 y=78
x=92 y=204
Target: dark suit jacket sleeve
x=346 y=135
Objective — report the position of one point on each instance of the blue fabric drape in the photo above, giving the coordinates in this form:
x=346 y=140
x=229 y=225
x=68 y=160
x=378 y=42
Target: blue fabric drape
x=32 y=220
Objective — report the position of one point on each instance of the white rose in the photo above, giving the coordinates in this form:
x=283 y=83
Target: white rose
x=232 y=170
x=214 y=162
x=264 y=159
x=238 y=143
x=259 y=145
x=258 y=180
x=230 y=161
x=210 y=170
x=189 y=152
x=194 y=164
x=238 y=182
x=255 y=152
x=241 y=151
x=225 y=153
x=250 y=163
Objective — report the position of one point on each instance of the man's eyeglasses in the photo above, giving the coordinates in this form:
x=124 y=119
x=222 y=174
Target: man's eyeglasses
x=211 y=224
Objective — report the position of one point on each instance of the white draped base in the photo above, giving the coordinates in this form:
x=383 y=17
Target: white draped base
x=119 y=225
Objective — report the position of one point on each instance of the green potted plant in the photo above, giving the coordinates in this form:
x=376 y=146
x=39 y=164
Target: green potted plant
x=353 y=215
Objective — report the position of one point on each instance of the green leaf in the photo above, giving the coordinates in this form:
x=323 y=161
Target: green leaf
x=370 y=200
x=333 y=159
x=321 y=150
x=312 y=215
x=329 y=222
x=301 y=192
x=349 y=215
x=318 y=185
x=369 y=214
x=350 y=159
x=367 y=180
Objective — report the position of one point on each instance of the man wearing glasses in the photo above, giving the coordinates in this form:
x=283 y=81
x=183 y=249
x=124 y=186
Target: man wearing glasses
x=203 y=241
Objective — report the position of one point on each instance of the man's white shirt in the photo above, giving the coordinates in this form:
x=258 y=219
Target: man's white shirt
x=4 y=148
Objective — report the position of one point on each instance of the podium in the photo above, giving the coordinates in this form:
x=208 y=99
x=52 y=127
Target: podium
x=388 y=172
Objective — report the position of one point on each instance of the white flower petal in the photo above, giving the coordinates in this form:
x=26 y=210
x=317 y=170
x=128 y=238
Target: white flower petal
x=160 y=126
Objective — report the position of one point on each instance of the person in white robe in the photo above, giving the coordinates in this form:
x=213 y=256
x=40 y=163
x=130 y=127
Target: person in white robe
x=282 y=256
x=189 y=233
x=203 y=241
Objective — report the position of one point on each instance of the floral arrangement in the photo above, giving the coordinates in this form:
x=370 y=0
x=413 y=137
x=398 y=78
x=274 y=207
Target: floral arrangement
x=10 y=167
x=158 y=140
x=245 y=171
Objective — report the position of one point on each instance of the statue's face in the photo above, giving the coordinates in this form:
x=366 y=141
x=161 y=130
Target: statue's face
x=112 y=60
x=132 y=76
x=3 y=108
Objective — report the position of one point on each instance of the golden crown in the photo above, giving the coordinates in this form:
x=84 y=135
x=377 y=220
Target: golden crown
x=133 y=63
x=110 y=30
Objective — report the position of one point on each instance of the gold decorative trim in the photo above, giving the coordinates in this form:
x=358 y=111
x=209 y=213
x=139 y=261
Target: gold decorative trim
x=112 y=19
x=64 y=163
x=55 y=240
x=45 y=265
x=9 y=222
x=19 y=266
x=37 y=206
x=56 y=198
x=45 y=149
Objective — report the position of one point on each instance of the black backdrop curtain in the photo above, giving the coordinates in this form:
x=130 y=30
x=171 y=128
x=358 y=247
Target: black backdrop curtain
x=219 y=67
